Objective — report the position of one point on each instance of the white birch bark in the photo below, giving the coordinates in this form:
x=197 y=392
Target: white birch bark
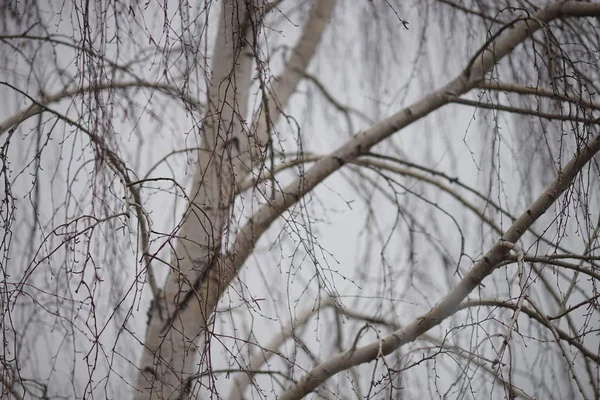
x=179 y=324
x=264 y=353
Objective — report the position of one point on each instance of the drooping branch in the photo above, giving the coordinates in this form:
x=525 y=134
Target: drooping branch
x=537 y=316
x=181 y=325
x=471 y=11
x=241 y=383
x=475 y=73
x=525 y=111
x=552 y=260
x=346 y=110
x=263 y=356
x=441 y=344
x=118 y=166
x=38 y=106
x=61 y=41
x=367 y=161
x=588 y=247
x=539 y=91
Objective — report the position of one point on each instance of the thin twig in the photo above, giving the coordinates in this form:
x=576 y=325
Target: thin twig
x=522 y=297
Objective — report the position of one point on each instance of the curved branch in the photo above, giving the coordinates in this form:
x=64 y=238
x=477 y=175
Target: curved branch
x=471 y=11
x=538 y=91
x=553 y=261
x=364 y=141
x=257 y=360
x=362 y=161
x=54 y=39
x=524 y=111
x=442 y=344
x=118 y=166
x=339 y=106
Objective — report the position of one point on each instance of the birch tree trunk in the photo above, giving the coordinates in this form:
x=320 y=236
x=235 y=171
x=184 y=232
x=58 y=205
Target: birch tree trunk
x=179 y=326
x=178 y=329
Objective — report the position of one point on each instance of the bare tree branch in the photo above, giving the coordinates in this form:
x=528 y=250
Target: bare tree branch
x=524 y=111
x=539 y=91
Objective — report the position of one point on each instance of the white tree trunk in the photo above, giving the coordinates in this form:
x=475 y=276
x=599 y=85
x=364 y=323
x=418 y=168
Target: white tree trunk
x=179 y=324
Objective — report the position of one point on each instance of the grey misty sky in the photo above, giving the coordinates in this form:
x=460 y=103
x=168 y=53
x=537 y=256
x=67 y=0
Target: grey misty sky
x=281 y=271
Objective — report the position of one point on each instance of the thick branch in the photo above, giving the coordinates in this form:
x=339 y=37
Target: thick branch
x=364 y=141
x=179 y=325
x=221 y=274
x=257 y=360
x=264 y=355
